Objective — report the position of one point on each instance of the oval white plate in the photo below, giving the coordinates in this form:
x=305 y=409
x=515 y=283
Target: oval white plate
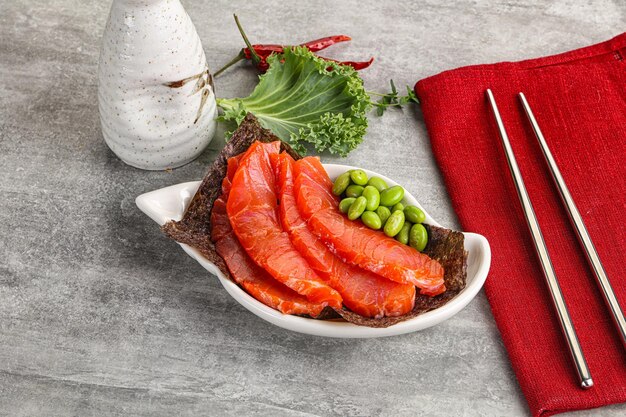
x=170 y=203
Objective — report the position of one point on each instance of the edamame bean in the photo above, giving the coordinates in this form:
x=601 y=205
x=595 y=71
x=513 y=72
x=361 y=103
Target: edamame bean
x=341 y=183
x=394 y=223
x=418 y=237
x=373 y=197
x=357 y=208
x=391 y=196
x=345 y=204
x=398 y=206
x=403 y=235
x=371 y=220
x=384 y=213
x=358 y=176
x=378 y=182
x=354 y=191
x=414 y=214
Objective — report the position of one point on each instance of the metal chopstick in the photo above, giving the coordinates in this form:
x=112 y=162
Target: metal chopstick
x=548 y=270
x=577 y=221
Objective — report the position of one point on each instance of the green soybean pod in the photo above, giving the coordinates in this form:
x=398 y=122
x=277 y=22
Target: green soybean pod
x=418 y=237
x=341 y=183
x=358 y=176
x=345 y=204
x=357 y=208
x=398 y=206
x=414 y=214
x=394 y=223
x=373 y=197
x=384 y=213
x=403 y=235
x=371 y=220
x=354 y=191
x=391 y=196
x=378 y=182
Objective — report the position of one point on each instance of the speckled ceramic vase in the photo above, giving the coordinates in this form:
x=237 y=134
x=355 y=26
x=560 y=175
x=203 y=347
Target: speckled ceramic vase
x=155 y=93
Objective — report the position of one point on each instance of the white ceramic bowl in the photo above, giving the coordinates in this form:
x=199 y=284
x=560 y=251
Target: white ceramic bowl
x=170 y=203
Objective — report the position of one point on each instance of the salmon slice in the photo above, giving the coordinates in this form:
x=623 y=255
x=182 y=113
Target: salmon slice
x=254 y=279
x=231 y=166
x=220 y=225
x=322 y=197
x=315 y=170
x=354 y=242
x=259 y=284
x=253 y=212
x=363 y=292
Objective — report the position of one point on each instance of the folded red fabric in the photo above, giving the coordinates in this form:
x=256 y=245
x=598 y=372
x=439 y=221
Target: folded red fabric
x=579 y=100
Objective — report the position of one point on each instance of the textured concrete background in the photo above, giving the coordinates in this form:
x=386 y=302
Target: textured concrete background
x=101 y=315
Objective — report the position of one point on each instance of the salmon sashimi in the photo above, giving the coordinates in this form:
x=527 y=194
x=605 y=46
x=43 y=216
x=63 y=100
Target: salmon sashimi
x=363 y=292
x=354 y=242
x=254 y=279
x=231 y=166
x=259 y=284
x=315 y=170
x=253 y=212
x=220 y=225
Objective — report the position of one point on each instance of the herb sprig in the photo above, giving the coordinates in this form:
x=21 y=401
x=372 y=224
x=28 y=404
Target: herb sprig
x=392 y=99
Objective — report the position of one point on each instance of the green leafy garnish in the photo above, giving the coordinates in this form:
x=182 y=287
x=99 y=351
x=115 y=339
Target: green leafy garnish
x=306 y=100
x=392 y=100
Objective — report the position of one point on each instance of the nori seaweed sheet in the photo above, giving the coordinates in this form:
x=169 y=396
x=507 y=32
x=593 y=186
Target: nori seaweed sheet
x=194 y=229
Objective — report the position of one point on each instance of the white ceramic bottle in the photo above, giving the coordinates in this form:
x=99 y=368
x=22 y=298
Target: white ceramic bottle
x=155 y=95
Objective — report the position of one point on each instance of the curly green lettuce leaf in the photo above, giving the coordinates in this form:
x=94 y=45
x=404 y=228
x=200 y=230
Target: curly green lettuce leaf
x=306 y=100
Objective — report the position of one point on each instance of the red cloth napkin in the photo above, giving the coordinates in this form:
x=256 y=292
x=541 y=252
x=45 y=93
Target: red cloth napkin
x=579 y=100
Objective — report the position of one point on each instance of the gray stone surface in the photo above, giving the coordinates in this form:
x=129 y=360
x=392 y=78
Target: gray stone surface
x=102 y=315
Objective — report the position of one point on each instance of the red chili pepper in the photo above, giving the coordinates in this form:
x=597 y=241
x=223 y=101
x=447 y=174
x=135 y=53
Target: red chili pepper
x=323 y=43
x=263 y=66
x=263 y=50
x=259 y=53
x=357 y=65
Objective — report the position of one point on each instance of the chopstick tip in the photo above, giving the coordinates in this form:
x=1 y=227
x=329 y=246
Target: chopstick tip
x=587 y=383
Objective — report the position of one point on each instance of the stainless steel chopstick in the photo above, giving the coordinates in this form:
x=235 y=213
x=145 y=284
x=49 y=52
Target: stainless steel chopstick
x=577 y=221
x=546 y=264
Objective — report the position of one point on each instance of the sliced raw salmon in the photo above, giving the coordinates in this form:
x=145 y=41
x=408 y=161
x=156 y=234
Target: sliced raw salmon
x=253 y=213
x=357 y=244
x=259 y=284
x=315 y=170
x=362 y=291
x=231 y=166
x=254 y=279
x=220 y=225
